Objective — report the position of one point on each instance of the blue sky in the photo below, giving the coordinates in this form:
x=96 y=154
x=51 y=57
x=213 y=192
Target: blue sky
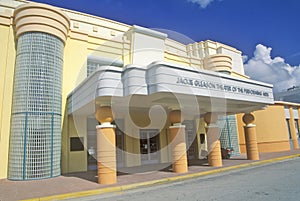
x=266 y=31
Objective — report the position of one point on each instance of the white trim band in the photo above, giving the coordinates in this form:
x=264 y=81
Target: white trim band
x=149 y=32
x=106 y=125
x=177 y=126
x=212 y=125
x=249 y=126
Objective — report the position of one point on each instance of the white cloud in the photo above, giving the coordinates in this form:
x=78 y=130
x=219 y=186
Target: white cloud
x=202 y=3
x=263 y=67
x=244 y=58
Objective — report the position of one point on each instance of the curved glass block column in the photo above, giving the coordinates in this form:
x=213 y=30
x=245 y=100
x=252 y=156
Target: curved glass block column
x=35 y=140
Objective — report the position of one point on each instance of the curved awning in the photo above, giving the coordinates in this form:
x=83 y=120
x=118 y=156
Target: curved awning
x=169 y=84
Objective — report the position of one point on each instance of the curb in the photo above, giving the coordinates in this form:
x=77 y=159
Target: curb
x=159 y=181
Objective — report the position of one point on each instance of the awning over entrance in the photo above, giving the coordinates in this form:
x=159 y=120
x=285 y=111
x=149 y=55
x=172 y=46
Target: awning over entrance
x=152 y=102
x=165 y=84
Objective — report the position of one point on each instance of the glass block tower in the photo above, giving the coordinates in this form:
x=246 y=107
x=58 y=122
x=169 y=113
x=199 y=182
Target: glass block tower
x=35 y=140
x=228 y=133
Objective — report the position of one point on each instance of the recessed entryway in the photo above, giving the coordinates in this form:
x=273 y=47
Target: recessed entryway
x=149 y=146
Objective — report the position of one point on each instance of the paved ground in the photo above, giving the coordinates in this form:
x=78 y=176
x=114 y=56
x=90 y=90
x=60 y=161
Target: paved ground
x=16 y=190
x=269 y=182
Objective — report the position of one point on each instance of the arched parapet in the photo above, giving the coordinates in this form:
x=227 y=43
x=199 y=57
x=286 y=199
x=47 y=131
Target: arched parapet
x=36 y=17
x=219 y=63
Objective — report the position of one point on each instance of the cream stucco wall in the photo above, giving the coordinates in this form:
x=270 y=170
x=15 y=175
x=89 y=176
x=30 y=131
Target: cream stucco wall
x=79 y=44
x=7 y=63
x=165 y=149
x=132 y=142
x=76 y=160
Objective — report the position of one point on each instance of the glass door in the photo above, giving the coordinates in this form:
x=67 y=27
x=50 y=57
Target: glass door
x=91 y=144
x=191 y=140
x=289 y=131
x=149 y=145
x=119 y=147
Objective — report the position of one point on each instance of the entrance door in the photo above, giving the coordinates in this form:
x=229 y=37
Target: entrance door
x=191 y=140
x=149 y=145
x=290 y=135
x=297 y=131
x=119 y=147
x=92 y=144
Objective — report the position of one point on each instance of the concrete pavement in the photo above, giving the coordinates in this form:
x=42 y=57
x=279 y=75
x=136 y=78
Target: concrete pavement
x=269 y=182
x=83 y=184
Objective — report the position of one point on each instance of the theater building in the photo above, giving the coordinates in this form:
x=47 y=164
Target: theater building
x=80 y=92
x=291 y=94
x=277 y=128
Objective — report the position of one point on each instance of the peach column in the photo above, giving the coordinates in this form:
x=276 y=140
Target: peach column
x=106 y=146
x=298 y=108
x=298 y=116
x=178 y=144
x=213 y=141
x=293 y=128
x=250 y=137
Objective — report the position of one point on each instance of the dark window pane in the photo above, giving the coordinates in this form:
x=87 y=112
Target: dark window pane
x=76 y=143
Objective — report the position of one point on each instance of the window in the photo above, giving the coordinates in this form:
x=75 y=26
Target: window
x=76 y=144
x=297 y=127
x=91 y=67
x=93 y=62
x=289 y=129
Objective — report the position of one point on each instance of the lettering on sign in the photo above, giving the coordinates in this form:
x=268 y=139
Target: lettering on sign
x=220 y=87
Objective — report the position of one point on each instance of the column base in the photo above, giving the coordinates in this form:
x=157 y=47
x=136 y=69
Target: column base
x=251 y=142
x=295 y=144
x=106 y=175
x=178 y=144
x=215 y=156
x=106 y=153
x=214 y=146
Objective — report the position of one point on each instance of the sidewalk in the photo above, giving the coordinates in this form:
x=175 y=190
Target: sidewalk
x=80 y=184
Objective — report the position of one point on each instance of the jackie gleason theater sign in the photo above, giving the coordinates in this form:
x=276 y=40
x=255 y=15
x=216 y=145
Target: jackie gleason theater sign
x=221 y=87
x=166 y=78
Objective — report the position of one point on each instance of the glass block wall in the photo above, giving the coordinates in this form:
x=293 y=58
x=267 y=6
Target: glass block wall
x=228 y=133
x=91 y=67
x=35 y=140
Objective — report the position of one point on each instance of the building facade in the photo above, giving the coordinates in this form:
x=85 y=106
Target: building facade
x=292 y=94
x=81 y=92
x=277 y=127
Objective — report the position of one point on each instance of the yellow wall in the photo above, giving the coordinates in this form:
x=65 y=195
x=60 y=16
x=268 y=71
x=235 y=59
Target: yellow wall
x=132 y=148
x=78 y=47
x=76 y=160
x=241 y=134
x=74 y=71
x=176 y=59
x=132 y=139
x=7 y=64
x=165 y=150
x=65 y=143
x=271 y=129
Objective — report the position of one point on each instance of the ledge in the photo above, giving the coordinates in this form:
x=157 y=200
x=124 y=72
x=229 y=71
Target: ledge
x=149 y=32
